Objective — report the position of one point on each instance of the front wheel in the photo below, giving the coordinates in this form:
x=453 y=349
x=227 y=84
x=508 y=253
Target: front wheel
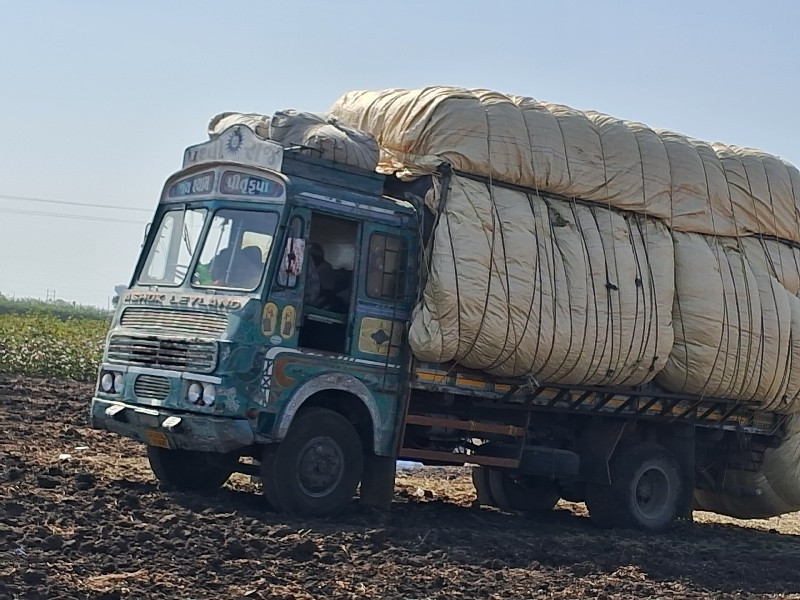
x=190 y=470
x=316 y=469
x=645 y=493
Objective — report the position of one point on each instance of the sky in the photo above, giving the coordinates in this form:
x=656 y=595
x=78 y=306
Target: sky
x=98 y=99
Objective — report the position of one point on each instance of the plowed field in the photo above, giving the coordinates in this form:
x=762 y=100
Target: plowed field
x=81 y=516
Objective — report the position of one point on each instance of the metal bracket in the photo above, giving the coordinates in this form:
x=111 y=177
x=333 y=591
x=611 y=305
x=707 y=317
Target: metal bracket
x=596 y=446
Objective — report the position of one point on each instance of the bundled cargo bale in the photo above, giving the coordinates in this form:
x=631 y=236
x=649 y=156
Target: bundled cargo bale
x=525 y=285
x=770 y=491
x=733 y=326
x=332 y=140
x=782 y=262
x=693 y=186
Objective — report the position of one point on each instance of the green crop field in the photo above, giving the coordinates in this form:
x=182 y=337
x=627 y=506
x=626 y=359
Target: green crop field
x=42 y=344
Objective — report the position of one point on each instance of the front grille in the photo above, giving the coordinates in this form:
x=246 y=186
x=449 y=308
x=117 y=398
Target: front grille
x=150 y=386
x=150 y=351
x=178 y=321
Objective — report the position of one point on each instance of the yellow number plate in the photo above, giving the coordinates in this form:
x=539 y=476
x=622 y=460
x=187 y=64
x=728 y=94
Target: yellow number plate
x=158 y=438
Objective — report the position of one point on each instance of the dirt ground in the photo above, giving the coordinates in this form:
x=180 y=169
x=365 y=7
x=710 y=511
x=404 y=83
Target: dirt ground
x=81 y=516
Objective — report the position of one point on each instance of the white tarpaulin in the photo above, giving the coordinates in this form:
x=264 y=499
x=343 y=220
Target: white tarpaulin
x=775 y=489
x=562 y=291
x=736 y=326
x=692 y=185
x=325 y=135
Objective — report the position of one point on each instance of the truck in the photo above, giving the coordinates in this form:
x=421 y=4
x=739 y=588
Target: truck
x=264 y=332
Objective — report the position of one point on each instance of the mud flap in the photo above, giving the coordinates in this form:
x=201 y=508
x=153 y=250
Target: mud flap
x=377 y=481
x=596 y=446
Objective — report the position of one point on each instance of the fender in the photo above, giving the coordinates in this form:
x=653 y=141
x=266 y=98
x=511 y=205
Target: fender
x=331 y=381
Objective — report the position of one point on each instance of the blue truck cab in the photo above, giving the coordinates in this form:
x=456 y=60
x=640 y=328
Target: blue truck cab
x=270 y=300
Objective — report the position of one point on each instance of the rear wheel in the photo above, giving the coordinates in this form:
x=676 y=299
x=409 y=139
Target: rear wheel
x=514 y=492
x=645 y=492
x=190 y=470
x=480 y=481
x=316 y=469
x=572 y=491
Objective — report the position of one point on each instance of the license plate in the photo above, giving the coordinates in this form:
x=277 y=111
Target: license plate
x=158 y=439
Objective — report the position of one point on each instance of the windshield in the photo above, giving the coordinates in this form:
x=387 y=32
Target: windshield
x=236 y=249
x=173 y=247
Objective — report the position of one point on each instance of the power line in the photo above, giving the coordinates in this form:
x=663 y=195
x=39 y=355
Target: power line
x=39 y=213
x=87 y=204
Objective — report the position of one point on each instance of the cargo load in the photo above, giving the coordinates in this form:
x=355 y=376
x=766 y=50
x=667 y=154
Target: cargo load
x=736 y=326
x=774 y=489
x=691 y=185
x=568 y=293
x=634 y=254
x=325 y=136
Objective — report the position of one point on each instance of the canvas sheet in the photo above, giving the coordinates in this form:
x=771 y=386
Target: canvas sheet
x=692 y=185
x=568 y=293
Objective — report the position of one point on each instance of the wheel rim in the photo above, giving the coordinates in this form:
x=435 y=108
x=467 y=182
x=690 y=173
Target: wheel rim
x=652 y=493
x=320 y=466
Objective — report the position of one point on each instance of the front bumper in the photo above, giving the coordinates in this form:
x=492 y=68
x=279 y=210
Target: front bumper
x=171 y=429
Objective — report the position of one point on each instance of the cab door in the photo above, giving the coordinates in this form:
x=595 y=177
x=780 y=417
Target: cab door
x=385 y=294
x=283 y=308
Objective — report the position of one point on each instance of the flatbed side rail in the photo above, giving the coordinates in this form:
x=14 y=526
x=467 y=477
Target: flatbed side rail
x=645 y=403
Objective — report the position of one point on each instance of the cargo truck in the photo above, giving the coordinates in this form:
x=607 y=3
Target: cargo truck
x=264 y=331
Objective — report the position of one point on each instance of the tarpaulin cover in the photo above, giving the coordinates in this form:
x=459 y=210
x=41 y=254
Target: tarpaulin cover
x=540 y=284
x=324 y=134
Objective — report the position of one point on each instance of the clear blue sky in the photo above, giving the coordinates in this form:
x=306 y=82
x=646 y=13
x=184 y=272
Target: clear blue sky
x=98 y=98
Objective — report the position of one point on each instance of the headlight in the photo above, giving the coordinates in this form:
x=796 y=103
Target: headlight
x=195 y=393
x=209 y=395
x=107 y=382
x=118 y=383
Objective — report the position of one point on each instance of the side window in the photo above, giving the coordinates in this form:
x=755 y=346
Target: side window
x=292 y=261
x=385 y=279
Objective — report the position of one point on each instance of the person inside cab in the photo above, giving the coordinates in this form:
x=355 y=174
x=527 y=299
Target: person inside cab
x=240 y=269
x=248 y=264
x=319 y=281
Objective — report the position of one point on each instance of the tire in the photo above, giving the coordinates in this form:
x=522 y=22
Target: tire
x=572 y=491
x=645 y=493
x=513 y=492
x=480 y=481
x=190 y=470
x=316 y=469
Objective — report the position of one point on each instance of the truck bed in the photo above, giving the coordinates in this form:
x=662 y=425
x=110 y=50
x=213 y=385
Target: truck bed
x=643 y=402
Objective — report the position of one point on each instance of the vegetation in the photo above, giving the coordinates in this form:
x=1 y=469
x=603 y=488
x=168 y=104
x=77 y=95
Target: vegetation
x=51 y=339
x=58 y=308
